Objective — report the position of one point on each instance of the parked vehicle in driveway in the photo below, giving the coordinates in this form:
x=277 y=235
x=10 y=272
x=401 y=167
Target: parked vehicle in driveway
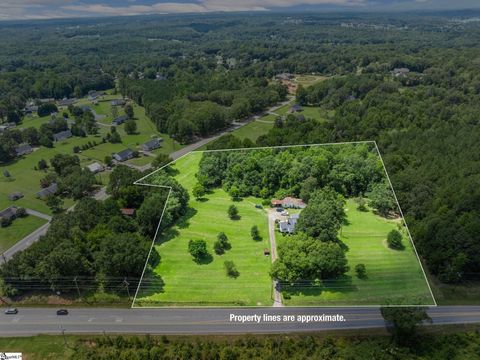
x=62 y=312
x=11 y=311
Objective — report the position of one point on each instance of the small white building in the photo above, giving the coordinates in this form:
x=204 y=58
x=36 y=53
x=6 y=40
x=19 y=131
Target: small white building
x=95 y=167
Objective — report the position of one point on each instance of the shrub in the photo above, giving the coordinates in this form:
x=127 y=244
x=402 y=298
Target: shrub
x=255 y=233
x=232 y=212
x=21 y=212
x=198 y=249
x=230 y=269
x=221 y=244
x=394 y=240
x=360 y=270
x=4 y=222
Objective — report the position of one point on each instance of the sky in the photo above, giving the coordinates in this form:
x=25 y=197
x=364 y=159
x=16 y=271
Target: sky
x=51 y=9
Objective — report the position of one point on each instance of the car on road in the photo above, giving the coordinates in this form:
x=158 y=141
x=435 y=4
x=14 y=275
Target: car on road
x=11 y=311
x=62 y=312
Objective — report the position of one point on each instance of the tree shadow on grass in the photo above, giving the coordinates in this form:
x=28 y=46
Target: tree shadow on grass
x=342 y=284
x=168 y=235
x=204 y=260
x=183 y=222
x=152 y=284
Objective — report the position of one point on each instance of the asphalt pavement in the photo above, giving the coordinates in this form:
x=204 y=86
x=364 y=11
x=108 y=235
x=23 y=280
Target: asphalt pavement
x=32 y=321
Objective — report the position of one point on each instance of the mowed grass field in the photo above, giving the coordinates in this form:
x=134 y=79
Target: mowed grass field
x=19 y=228
x=178 y=280
x=392 y=275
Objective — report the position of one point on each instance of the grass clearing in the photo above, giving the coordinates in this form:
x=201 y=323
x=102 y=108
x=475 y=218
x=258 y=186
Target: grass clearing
x=180 y=281
x=391 y=274
x=19 y=228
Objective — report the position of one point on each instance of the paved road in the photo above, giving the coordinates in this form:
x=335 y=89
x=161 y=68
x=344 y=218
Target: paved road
x=277 y=296
x=26 y=241
x=32 y=321
x=38 y=214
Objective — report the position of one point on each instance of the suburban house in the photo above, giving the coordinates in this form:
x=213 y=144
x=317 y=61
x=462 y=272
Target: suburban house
x=95 y=167
x=31 y=108
x=127 y=212
x=23 y=149
x=62 y=135
x=284 y=76
x=66 y=102
x=15 y=196
x=295 y=108
x=9 y=213
x=120 y=120
x=124 y=155
x=151 y=144
x=289 y=202
x=288 y=226
x=118 y=102
x=46 y=192
x=7 y=126
x=92 y=94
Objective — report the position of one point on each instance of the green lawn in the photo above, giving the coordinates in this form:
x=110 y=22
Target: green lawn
x=391 y=274
x=19 y=228
x=254 y=129
x=178 y=280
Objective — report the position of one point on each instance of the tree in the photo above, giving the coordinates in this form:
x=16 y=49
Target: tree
x=361 y=204
x=108 y=160
x=198 y=191
x=63 y=163
x=5 y=222
x=21 y=212
x=404 y=322
x=394 y=240
x=381 y=198
x=198 y=249
x=161 y=160
x=55 y=203
x=231 y=269
x=130 y=127
x=234 y=192
x=129 y=111
x=221 y=244
x=303 y=258
x=233 y=212
x=42 y=164
x=323 y=216
x=361 y=271
x=47 y=109
x=255 y=233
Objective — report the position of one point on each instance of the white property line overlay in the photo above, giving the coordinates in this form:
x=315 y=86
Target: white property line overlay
x=405 y=222
x=140 y=182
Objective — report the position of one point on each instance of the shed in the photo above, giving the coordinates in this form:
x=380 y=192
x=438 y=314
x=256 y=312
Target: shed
x=95 y=167
x=9 y=213
x=15 y=196
x=127 y=211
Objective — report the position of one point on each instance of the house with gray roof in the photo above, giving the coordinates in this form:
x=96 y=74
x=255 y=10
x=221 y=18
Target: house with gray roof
x=288 y=226
x=117 y=102
x=62 y=135
x=151 y=144
x=119 y=120
x=66 y=102
x=23 y=149
x=124 y=155
x=9 y=213
x=295 y=108
x=15 y=196
x=95 y=167
x=51 y=190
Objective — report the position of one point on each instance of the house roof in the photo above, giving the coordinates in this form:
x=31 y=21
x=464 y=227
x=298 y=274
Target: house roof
x=15 y=196
x=127 y=211
x=152 y=144
x=119 y=120
x=51 y=190
x=296 y=107
x=95 y=167
x=8 y=212
x=124 y=154
x=23 y=149
x=62 y=135
x=117 y=102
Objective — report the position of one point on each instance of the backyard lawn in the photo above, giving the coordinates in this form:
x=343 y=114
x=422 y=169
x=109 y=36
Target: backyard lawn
x=19 y=228
x=178 y=280
x=391 y=274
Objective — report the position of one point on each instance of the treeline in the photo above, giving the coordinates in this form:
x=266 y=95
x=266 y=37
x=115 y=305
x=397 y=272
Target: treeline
x=428 y=135
x=462 y=345
x=201 y=102
x=95 y=248
x=350 y=170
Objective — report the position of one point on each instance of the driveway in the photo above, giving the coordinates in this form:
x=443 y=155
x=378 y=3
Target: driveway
x=272 y=216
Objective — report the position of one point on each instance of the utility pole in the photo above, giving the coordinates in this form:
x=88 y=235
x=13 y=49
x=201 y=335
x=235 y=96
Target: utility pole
x=76 y=285
x=126 y=283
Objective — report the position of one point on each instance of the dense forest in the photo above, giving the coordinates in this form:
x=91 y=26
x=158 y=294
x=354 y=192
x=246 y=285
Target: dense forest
x=196 y=74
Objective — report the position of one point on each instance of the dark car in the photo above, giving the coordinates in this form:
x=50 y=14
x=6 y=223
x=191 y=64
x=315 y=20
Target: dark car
x=258 y=206
x=11 y=311
x=280 y=209
x=62 y=312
